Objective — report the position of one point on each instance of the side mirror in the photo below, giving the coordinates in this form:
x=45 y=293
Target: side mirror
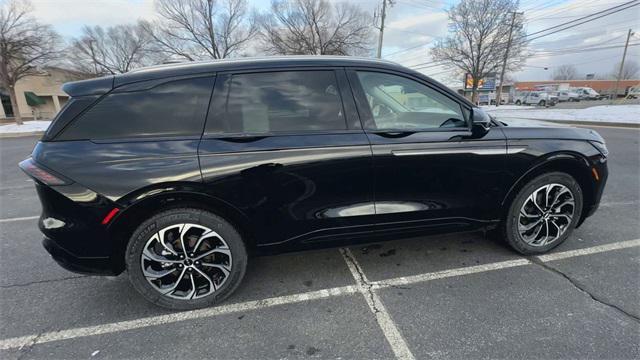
x=480 y=122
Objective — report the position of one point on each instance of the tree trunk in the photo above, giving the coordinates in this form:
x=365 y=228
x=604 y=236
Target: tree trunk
x=474 y=94
x=14 y=104
x=474 y=90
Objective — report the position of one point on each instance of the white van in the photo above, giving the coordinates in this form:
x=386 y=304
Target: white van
x=587 y=93
x=540 y=98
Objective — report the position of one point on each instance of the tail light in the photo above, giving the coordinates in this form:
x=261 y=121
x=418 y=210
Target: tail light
x=41 y=174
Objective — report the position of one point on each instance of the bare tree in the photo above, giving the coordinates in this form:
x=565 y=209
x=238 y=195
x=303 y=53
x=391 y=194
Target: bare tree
x=25 y=45
x=202 y=29
x=630 y=70
x=315 y=27
x=565 y=72
x=113 y=50
x=477 y=40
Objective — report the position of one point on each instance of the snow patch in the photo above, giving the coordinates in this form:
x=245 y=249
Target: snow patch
x=27 y=127
x=604 y=113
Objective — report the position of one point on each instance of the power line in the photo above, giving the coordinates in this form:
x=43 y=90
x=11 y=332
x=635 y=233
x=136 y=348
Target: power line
x=586 y=46
x=407 y=49
x=569 y=24
x=582 y=5
x=581 y=51
x=428 y=66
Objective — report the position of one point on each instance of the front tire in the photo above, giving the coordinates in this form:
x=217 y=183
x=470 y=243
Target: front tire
x=185 y=259
x=543 y=214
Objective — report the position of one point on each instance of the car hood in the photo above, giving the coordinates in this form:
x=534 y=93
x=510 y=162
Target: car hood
x=517 y=128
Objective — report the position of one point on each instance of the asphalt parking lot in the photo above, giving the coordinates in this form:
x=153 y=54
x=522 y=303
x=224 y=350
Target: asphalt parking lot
x=447 y=297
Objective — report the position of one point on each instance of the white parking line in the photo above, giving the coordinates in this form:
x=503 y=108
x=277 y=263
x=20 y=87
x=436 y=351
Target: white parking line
x=19 y=342
x=406 y=280
x=388 y=327
x=19 y=219
x=590 y=250
x=28 y=340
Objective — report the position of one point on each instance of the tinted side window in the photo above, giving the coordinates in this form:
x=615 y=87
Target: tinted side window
x=400 y=103
x=287 y=101
x=175 y=108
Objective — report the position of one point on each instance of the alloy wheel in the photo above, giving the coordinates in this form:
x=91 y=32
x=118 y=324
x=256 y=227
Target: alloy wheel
x=546 y=214
x=186 y=261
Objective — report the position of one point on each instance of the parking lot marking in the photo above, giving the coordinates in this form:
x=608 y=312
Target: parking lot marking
x=19 y=219
x=30 y=340
x=406 y=280
x=590 y=250
x=34 y=339
x=389 y=328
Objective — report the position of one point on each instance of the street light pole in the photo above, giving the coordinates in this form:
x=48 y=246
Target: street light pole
x=624 y=55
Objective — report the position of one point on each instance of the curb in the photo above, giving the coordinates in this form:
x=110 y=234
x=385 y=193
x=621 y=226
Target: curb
x=22 y=134
x=595 y=123
x=581 y=122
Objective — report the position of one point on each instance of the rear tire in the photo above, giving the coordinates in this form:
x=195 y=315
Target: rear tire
x=185 y=259
x=542 y=216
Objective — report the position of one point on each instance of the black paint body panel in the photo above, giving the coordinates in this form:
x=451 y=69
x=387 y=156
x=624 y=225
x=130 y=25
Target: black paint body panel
x=297 y=191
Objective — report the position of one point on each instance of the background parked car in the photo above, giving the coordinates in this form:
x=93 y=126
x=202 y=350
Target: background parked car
x=490 y=99
x=587 y=93
x=567 y=96
x=540 y=98
x=633 y=92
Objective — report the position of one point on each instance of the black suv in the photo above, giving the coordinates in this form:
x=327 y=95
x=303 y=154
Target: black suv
x=177 y=173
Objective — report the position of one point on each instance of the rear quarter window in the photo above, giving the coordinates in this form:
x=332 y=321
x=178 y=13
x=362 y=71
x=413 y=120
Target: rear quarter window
x=173 y=108
x=282 y=102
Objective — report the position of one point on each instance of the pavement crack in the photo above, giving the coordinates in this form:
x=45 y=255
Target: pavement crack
x=42 y=281
x=25 y=349
x=583 y=289
x=362 y=280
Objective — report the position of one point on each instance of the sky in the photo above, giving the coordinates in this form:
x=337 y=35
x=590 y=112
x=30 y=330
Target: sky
x=412 y=26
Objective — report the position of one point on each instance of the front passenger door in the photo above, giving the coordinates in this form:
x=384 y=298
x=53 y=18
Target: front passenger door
x=429 y=169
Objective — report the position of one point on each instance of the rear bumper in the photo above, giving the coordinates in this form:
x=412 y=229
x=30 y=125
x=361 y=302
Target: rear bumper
x=94 y=266
x=74 y=236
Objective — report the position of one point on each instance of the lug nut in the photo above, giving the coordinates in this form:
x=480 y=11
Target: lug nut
x=191 y=255
x=197 y=262
x=181 y=256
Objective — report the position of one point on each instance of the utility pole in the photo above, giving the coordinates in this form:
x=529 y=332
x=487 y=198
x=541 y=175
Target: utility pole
x=383 y=15
x=506 y=57
x=624 y=55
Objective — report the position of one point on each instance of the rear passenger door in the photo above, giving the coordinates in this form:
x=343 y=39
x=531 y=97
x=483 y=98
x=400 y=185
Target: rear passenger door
x=287 y=149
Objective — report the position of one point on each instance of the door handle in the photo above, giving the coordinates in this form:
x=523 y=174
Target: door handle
x=242 y=139
x=394 y=134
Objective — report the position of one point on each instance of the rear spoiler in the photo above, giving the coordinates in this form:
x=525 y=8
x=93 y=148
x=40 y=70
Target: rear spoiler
x=98 y=86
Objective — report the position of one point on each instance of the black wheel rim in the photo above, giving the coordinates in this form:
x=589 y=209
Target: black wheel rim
x=186 y=261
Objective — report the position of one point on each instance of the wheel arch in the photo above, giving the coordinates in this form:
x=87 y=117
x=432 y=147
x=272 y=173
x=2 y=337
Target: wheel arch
x=135 y=212
x=573 y=164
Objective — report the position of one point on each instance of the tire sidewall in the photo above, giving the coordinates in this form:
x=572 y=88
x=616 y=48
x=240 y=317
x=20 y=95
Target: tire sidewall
x=144 y=232
x=511 y=233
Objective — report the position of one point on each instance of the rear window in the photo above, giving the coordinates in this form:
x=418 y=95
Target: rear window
x=174 y=108
x=287 y=101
